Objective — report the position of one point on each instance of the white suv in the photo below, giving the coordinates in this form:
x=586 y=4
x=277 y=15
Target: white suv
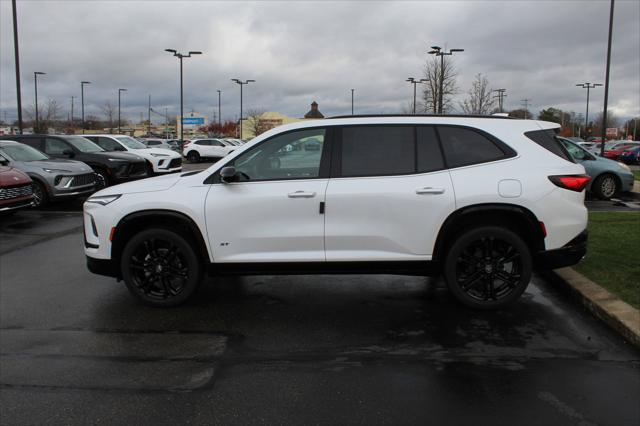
x=159 y=161
x=198 y=149
x=481 y=200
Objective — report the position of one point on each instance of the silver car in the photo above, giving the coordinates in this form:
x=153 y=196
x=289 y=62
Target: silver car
x=53 y=179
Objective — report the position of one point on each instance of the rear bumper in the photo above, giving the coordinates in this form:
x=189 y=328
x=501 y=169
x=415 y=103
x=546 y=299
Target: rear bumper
x=570 y=254
x=105 y=267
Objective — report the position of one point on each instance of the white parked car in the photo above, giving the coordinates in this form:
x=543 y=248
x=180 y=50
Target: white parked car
x=159 y=161
x=209 y=148
x=483 y=201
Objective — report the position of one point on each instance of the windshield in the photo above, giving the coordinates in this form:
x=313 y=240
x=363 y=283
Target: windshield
x=83 y=144
x=19 y=152
x=130 y=142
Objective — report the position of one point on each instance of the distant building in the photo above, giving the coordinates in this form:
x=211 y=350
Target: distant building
x=314 y=112
x=192 y=122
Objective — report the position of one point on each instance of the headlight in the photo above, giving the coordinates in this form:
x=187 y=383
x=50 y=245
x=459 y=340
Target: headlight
x=625 y=167
x=56 y=170
x=158 y=155
x=103 y=199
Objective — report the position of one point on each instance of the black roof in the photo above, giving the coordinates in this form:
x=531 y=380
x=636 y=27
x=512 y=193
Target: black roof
x=425 y=115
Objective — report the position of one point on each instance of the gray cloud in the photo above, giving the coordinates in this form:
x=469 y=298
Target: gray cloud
x=304 y=51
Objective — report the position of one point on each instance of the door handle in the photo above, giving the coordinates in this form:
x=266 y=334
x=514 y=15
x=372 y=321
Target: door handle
x=301 y=194
x=430 y=190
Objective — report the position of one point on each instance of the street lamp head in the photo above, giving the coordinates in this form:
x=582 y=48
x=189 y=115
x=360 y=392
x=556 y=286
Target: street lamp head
x=195 y=52
x=597 y=84
x=433 y=52
x=235 y=80
x=85 y=82
x=40 y=73
x=410 y=79
x=423 y=80
x=122 y=90
x=251 y=81
x=174 y=51
x=436 y=47
x=456 y=50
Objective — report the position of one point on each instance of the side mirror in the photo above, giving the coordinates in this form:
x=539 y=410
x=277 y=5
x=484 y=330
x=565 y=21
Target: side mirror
x=69 y=153
x=228 y=174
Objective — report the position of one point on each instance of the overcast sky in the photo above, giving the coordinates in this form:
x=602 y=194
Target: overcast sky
x=304 y=51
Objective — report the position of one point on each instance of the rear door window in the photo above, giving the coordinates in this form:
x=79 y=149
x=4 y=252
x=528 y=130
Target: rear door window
x=377 y=151
x=547 y=140
x=428 y=150
x=463 y=147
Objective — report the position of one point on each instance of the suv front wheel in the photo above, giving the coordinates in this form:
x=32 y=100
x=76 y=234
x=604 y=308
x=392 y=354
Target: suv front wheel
x=160 y=267
x=488 y=267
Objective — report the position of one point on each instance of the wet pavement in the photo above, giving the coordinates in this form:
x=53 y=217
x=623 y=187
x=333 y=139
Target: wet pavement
x=77 y=349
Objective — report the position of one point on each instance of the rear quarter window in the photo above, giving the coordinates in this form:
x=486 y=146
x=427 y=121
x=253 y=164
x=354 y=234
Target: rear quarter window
x=547 y=140
x=464 y=146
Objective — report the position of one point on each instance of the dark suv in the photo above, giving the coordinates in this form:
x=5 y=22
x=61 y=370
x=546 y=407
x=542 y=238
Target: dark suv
x=111 y=167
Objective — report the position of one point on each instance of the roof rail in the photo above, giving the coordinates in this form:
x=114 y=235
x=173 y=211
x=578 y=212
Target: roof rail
x=499 y=117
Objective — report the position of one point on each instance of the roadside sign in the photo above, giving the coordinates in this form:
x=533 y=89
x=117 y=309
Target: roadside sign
x=612 y=132
x=193 y=121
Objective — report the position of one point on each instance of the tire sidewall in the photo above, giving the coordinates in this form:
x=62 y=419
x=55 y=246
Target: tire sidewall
x=597 y=186
x=185 y=246
x=43 y=191
x=193 y=156
x=462 y=241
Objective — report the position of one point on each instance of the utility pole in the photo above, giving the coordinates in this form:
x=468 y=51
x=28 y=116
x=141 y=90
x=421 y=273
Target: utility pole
x=500 y=95
x=525 y=102
x=119 y=92
x=35 y=80
x=587 y=86
x=149 y=118
x=17 y=59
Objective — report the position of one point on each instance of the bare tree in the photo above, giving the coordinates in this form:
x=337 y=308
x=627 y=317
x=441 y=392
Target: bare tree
x=48 y=115
x=479 y=100
x=255 y=122
x=434 y=74
x=109 y=112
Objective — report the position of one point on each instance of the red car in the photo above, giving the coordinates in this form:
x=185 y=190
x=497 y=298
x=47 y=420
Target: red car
x=614 y=154
x=15 y=189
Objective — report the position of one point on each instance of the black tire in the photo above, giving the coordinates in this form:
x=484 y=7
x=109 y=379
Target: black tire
x=150 y=171
x=488 y=267
x=605 y=186
x=160 y=267
x=102 y=179
x=193 y=157
x=40 y=198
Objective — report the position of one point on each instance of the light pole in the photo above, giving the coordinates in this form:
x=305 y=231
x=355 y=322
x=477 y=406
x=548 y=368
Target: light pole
x=72 y=98
x=149 y=119
x=525 y=103
x=119 y=92
x=352 y=90
x=219 y=109
x=241 y=83
x=501 y=95
x=415 y=83
x=587 y=86
x=181 y=56
x=82 y=83
x=17 y=59
x=606 y=80
x=35 y=80
x=438 y=51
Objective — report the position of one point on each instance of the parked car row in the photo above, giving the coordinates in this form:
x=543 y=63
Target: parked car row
x=67 y=166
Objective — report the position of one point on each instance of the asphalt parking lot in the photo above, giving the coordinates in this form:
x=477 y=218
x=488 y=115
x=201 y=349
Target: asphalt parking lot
x=77 y=349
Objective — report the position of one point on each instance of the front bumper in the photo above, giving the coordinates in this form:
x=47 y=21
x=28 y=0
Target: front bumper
x=627 y=182
x=106 y=267
x=570 y=254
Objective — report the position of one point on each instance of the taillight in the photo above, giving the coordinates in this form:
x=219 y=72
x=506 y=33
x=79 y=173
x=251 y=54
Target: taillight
x=571 y=182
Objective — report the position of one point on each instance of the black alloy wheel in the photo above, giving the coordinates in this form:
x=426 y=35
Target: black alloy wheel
x=160 y=267
x=488 y=268
x=39 y=194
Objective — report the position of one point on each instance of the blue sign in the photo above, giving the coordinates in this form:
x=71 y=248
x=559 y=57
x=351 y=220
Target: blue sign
x=193 y=121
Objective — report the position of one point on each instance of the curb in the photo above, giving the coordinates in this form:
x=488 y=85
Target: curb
x=619 y=315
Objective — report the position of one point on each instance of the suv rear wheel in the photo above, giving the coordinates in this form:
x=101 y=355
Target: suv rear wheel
x=160 y=267
x=488 y=267
x=193 y=157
